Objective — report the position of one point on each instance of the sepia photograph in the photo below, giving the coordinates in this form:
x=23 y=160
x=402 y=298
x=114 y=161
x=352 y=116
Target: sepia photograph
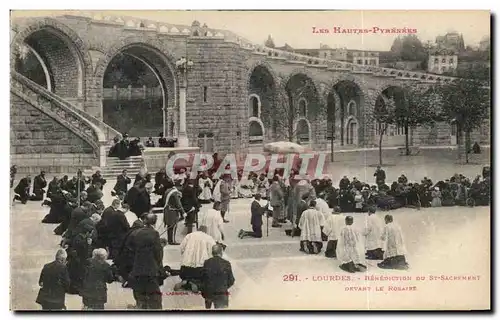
x=250 y=160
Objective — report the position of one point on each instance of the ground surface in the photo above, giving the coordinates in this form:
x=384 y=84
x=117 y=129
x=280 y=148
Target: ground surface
x=451 y=241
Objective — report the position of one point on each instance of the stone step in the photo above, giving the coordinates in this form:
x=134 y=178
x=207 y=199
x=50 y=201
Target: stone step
x=123 y=165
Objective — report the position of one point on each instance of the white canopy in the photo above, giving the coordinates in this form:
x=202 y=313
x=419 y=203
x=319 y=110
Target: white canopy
x=284 y=147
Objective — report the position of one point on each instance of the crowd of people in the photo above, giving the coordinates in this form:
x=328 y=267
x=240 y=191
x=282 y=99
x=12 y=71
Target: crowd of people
x=130 y=232
x=124 y=147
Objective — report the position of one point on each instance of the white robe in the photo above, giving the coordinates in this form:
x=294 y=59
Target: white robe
x=373 y=232
x=395 y=245
x=131 y=217
x=310 y=224
x=212 y=219
x=323 y=207
x=206 y=191
x=217 y=194
x=350 y=246
x=333 y=225
x=245 y=188
x=195 y=249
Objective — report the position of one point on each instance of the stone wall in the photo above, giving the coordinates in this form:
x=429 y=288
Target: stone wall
x=219 y=69
x=38 y=141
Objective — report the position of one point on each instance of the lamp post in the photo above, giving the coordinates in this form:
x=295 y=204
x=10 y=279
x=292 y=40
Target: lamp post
x=183 y=65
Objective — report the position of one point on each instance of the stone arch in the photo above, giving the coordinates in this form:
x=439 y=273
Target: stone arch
x=154 y=53
x=252 y=98
x=360 y=92
x=301 y=125
x=332 y=113
x=307 y=73
x=352 y=108
x=72 y=42
x=265 y=65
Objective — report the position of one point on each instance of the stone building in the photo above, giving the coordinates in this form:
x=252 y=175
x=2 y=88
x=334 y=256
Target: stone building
x=442 y=60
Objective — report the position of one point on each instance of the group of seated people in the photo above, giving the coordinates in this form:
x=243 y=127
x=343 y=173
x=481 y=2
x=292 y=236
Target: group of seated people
x=162 y=142
x=123 y=147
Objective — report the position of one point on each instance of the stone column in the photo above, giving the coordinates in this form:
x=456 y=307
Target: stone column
x=182 y=140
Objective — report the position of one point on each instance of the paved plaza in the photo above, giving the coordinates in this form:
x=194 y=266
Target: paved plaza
x=450 y=241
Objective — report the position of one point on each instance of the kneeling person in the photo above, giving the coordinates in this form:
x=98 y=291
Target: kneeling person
x=394 y=255
x=310 y=224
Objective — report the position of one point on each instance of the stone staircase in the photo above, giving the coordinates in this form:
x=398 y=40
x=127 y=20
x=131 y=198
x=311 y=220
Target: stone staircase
x=115 y=166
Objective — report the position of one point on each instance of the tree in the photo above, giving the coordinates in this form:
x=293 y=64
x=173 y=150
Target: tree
x=415 y=106
x=285 y=114
x=467 y=102
x=409 y=48
x=383 y=116
x=269 y=42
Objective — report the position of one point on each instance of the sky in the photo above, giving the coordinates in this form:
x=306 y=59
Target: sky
x=295 y=27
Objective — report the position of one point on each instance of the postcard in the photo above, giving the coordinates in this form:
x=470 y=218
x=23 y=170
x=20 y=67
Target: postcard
x=250 y=160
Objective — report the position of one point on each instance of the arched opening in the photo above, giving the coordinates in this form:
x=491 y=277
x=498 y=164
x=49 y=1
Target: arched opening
x=351 y=104
x=137 y=82
x=261 y=89
x=352 y=132
x=302 y=104
x=302 y=108
x=255 y=131
x=254 y=106
x=330 y=116
x=453 y=133
x=303 y=132
x=395 y=132
x=50 y=58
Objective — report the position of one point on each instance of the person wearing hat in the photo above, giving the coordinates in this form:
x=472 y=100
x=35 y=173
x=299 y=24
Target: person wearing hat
x=436 y=197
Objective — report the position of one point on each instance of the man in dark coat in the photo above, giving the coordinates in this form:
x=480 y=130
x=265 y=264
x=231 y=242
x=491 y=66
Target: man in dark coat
x=97 y=177
x=94 y=192
x=124 y=261
x=53 y=187
x=39 y=184
x=173 y=212
x=217 y=279
x=80 y=250
x=98 y=273
x=77 y=215
x=344 y=183
x=148 y=260
x=118 y=227
x=190 y=204
x=139 y=199
x=256 y=219
x=54 y=282
x=121 y=186
x=103 y=225
x=160 y=182
x=22 y=190
x=379 y=176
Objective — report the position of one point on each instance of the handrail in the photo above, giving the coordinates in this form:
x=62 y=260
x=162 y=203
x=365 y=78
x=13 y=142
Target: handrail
x=87 y=136
x=108 y=131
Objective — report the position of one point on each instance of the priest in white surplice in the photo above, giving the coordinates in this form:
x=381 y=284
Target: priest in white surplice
x=212 y=220
x=350 y=248
x=333 y=225
x=395 y=250
x=195 y=249
x=323 y=207
x=373 y=233
x=310 y=224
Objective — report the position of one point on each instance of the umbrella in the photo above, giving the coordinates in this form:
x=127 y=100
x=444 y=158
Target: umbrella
x=284 y=147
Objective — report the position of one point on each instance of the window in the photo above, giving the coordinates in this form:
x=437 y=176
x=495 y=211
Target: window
x=206 y=142
x=360 y=61
x=205 y=89
x=255 y=132
x=436 y=60
x=443 y=60
x=451 y=60
x=254 y=106
x=302 y=108
x=443 y=69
